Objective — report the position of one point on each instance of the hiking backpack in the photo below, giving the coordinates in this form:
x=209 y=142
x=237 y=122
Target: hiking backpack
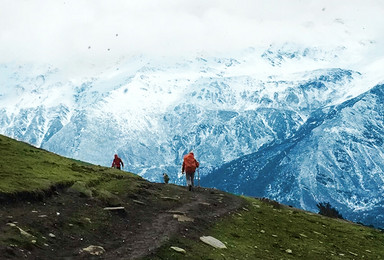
x=190 y=164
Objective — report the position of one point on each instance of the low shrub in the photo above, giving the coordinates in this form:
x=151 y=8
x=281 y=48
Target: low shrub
x=326 y=209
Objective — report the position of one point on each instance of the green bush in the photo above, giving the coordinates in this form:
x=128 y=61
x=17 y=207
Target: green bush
x=326 y=209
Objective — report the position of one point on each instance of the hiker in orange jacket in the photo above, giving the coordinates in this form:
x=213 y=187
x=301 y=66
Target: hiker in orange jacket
x=189 y=167
x=116 y=162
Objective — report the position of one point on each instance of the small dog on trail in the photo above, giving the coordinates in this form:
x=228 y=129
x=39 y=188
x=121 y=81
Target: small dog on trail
x=166 y=178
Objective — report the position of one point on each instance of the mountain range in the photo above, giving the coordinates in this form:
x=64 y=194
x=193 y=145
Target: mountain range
x=259 y=126
x=336 y=156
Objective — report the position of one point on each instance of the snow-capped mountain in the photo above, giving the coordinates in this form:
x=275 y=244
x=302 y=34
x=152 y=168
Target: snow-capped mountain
x=152 y=112
x=336 y=156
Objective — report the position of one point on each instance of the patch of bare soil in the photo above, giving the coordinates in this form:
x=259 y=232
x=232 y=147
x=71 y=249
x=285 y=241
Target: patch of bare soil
x=65 y=223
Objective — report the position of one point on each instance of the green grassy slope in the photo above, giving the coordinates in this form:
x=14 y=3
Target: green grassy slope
x=261 y=230
x=24 y=168
x=267 y=230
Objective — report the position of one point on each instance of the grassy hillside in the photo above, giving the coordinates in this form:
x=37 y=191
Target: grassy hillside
x=54 y=207
x=265 y=230
x=24 y=168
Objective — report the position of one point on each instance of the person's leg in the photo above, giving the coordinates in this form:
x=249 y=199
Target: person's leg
x=193 y=179
x=189 y=181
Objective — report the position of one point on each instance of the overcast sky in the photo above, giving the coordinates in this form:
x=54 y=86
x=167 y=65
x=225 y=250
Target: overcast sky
x=95 y=31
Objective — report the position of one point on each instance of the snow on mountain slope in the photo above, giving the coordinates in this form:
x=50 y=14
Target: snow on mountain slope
x=336 y=156
x=153 y=111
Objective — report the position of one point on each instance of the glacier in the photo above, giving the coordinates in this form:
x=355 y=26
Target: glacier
x=292 y=123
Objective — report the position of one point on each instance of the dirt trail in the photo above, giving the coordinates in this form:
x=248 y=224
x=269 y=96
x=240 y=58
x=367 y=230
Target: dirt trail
x=148 y=221
x=202 y=208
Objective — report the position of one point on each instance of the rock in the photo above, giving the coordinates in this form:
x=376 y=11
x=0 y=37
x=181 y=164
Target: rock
x=213 y=242
x=22 y=232
x=118 y=210
x=93 y=250
x=182 y=218
x=139 y=202
x=88 y=220
x=170 y=198
x=176 y=212
x=25 y=233
x=114 y=208
x=178 y=249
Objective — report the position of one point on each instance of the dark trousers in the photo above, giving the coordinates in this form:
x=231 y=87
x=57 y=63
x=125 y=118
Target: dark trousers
x=190 y=178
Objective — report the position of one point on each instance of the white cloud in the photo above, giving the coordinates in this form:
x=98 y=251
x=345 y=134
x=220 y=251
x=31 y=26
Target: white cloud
x=96 y=32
